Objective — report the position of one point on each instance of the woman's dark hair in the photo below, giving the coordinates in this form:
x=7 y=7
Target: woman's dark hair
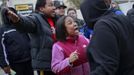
x=61 y=32
x=69 y=9
x=40 y=3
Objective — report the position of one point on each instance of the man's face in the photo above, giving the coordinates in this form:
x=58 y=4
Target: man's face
x=48 y=9
x=60 y=11
x=114 y=5
x=72 y=13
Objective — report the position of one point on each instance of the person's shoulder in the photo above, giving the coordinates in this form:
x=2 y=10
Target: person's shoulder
x=4 y=29
x=114 y=18
x=115 y=21
x=80 y=20
x=35 y=15
x=81 y=36
x=117 y=11
x=119 y=18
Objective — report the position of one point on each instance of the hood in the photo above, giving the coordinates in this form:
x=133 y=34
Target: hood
x=5 y=19
x=92 y=10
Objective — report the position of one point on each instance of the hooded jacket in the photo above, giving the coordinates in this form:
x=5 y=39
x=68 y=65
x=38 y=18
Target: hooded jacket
x=14 y=45
x=111 y=49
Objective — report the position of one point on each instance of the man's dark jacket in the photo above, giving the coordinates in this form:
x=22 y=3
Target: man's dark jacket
x=41 y=39
x=111 y=50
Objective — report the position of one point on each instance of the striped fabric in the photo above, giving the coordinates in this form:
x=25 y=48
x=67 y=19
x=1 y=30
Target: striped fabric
x=3 y=45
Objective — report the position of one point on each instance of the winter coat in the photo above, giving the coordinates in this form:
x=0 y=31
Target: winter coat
x=111 y=50
x=41 y=39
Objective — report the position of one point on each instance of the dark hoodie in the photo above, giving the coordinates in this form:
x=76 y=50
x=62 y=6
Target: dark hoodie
x=111 y=50
x=14 y=46
x=93 y=10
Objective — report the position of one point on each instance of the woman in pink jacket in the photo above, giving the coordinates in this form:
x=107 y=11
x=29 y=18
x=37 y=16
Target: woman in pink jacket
x=69 y=52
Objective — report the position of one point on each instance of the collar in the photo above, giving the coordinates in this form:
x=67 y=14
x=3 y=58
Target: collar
x=72 y=39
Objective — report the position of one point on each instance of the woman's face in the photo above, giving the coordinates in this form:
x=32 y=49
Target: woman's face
x=71 y=26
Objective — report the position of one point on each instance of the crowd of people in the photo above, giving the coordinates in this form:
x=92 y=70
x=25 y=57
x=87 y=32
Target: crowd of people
x=52 y=43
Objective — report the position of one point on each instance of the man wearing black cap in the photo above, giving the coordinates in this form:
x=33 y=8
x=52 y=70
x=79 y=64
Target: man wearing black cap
x=60 y=8
x=111 y=50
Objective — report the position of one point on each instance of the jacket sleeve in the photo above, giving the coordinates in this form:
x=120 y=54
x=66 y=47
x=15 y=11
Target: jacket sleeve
x=27 y=24
x=59 y=63
x=3 y=55
x=103 y=51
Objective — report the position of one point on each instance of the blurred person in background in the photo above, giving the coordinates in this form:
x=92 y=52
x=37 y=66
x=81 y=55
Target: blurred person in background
x=73 y=13
x=15 y=50
x=116 y=8
x=60 y=8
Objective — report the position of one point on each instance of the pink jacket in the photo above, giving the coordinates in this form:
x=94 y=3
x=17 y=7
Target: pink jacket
x=60 y=61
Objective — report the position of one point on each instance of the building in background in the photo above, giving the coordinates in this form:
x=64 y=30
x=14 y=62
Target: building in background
x=68 y=4
x=126 y=6
x=23 y=7
x=27 y=6
x=0 y=2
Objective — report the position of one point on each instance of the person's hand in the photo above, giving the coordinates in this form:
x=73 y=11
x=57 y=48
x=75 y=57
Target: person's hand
x=73 y=56
x=7 y=69
x=13 y=16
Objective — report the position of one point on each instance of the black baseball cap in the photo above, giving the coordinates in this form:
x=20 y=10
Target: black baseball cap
x=59 y=4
